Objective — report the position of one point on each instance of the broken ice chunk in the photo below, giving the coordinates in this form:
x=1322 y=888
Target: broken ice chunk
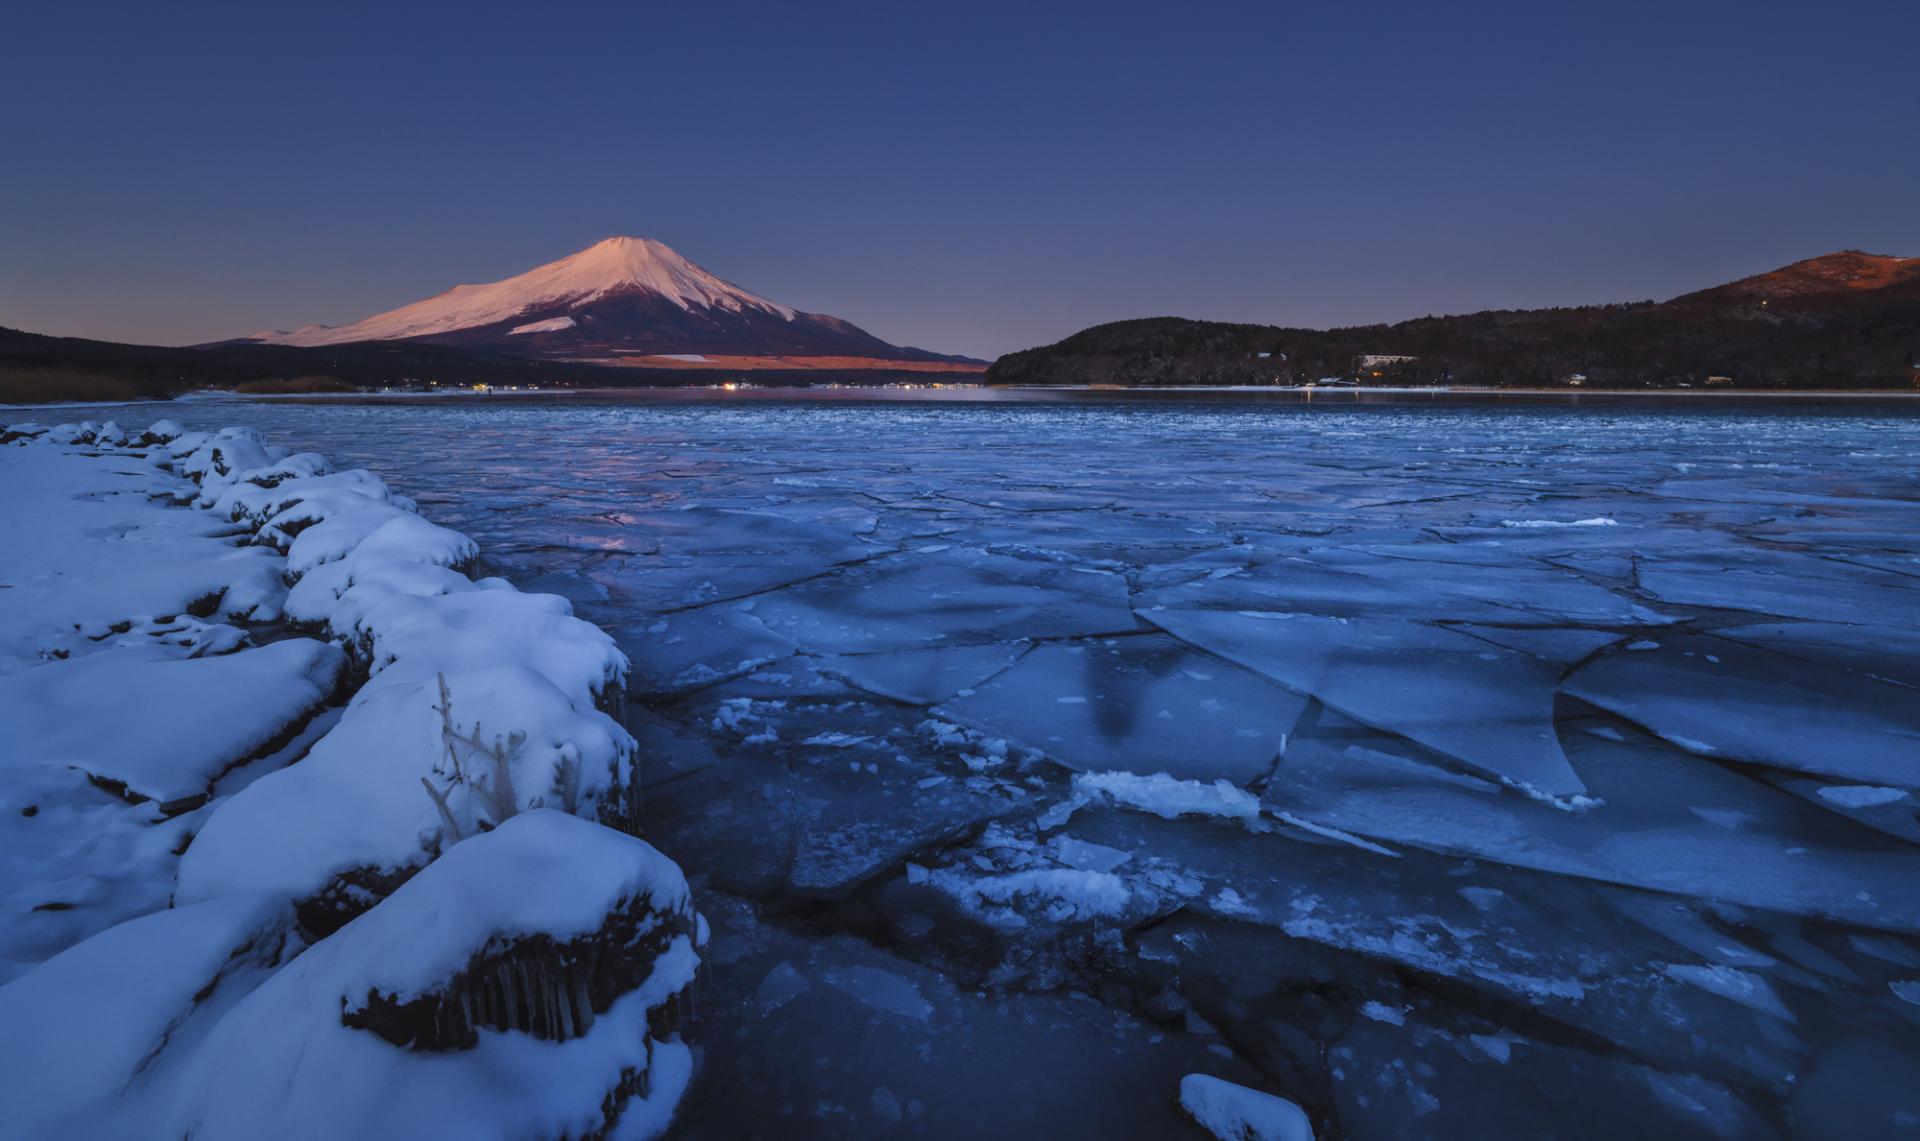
x=685 y=651
x=959 y=596
x=923 y=677
x=1758 y=706
x=1235 y=1113
x=1144 y=705
x=1169 y=798
x=880 y=989
x=1488 y=709
x=1652 y=824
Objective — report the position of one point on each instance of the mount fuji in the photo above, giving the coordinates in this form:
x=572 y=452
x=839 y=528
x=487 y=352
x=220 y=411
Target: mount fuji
x=633 y=302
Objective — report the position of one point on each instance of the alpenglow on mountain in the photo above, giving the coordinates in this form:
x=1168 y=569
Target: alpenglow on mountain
x=628 y=301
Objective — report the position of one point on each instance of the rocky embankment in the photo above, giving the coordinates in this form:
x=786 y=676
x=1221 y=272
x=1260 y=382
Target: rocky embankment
x=304 y=830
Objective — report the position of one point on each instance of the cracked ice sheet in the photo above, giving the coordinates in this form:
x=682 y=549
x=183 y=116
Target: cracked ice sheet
x=815 y=798
x=1729 y=700
x=1358 y=925
x=1302 y=583
x=702 y=554
x=1141 y=704
x=841 y=1039
x=1412 y=1078
x=1487 y=709
x=1501 y=570
x=1553 y=595
x=1666 y=821
x=1788 y=585
x=694 y=648
x=1539 y=946
x=955 y=595
x=1882 y=652
x=923 y=677
x=1562 y=645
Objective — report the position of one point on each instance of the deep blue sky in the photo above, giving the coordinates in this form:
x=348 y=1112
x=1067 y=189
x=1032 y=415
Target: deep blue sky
x=970 y=177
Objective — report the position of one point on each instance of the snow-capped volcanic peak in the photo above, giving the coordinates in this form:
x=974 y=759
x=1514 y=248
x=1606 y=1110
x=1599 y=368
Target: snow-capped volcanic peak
x=626 y=302
x=620 y=263
x=616 y=265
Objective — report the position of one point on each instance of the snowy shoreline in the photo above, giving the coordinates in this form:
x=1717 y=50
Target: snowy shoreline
x=306 y=831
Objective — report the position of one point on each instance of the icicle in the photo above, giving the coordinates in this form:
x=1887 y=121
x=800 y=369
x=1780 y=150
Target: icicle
x=543 y=990
x=563 y=1005
x=528 y=995
x=582 y=1002
x=513 y=1005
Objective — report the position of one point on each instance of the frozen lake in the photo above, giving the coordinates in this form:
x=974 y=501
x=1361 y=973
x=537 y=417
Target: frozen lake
x=1462 y=771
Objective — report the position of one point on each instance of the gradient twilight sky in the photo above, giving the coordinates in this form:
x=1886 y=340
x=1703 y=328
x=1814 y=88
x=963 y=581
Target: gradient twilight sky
x=973 y=177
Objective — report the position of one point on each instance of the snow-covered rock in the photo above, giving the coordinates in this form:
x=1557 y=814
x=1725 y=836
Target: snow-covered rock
x=218 y=460
x=355 y=813
x=521 y=986
x=409 y=638
x=1235 y=1113
x=390 y=529
x=413 y=926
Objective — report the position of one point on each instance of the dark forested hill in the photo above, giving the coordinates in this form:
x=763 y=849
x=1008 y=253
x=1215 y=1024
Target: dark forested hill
x=1847 y=320
x=34 y=367
x=158 y=370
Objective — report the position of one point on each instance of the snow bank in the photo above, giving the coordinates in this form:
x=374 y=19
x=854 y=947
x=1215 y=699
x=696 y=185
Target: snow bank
x=355 y=811
x=178 y=723
x=416 y=928
x=84 y=1025
x=88 y=542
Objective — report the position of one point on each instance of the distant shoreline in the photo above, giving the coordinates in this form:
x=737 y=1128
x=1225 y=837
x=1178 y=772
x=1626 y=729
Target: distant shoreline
x=1248 y=395
x=1168 y=394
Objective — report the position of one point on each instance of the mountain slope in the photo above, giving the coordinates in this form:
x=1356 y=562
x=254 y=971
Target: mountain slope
x=629 y=301
x=1833 y=279
x=1846 y=320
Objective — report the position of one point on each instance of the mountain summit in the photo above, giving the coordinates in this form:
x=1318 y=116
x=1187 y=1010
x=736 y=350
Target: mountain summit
x=628 y=301
x=1835 y=275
